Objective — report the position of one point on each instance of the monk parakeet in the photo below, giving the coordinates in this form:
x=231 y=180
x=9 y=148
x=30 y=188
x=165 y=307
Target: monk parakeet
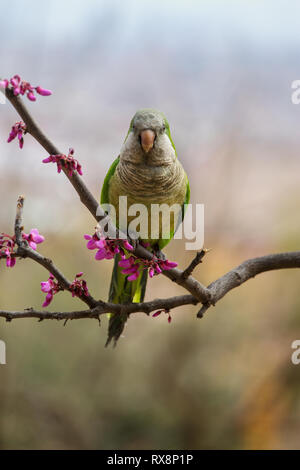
x=147 y=171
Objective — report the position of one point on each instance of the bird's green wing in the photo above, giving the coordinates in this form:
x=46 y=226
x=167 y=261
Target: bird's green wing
x=168 y=132
x=105 y=188
x=118 y=279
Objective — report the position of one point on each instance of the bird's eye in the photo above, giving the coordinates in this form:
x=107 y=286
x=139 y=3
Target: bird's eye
x=163 y=128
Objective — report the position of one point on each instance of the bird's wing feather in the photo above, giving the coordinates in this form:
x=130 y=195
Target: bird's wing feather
x=105 y=188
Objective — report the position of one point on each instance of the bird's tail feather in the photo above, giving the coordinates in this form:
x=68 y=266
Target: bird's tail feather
x=123 y=291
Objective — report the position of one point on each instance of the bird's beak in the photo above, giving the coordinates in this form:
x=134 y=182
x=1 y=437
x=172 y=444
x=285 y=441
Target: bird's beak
x=147 y=139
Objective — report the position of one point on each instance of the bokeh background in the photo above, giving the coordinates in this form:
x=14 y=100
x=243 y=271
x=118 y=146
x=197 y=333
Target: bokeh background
x=222 y=73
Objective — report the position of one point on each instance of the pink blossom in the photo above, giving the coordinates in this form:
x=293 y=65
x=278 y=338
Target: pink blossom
x=157 y=266
x=66 y=161
x=125 y=263
x=21 y=87
x=151 y=272
x=167 y=265
x=107 y=248
x=7 y=249
x=31 y=96
x=17 y=130
x=48 y=299
x=93 y=243
x=132 y=266
x=127 y=245
x=78 y=288
x=43 y=91
x=156 y=314
x=157 y=269
x=51 y=287
x=15 y=81
x=33 y=238
x=103 y=254
x=3 y=83
x=45 y=286
x=10 y=262
x=134 y=276
x=8 y=245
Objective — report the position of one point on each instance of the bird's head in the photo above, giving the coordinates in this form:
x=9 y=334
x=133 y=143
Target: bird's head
x=148 y=140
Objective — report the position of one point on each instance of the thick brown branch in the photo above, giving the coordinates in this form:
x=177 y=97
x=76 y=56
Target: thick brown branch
x=103 y=307
x=218 y=289
x=246 y=271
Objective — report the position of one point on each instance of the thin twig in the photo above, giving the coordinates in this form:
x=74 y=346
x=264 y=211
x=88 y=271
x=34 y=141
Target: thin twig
x=197 y=260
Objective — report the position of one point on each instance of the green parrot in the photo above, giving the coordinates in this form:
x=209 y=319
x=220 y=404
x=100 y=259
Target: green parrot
x=147 y=171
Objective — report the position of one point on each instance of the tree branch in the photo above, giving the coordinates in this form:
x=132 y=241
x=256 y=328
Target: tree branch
x=246 y=271
x=190 y=284
x=218 y=289
x=200 y=294
x=101 y=308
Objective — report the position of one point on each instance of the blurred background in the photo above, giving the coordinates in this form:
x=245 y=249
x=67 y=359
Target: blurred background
x=222 y=73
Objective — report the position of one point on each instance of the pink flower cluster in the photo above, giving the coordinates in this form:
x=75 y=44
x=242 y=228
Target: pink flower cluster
x=156 y=266
x=78 y=288
x=20 y=87
x=131 y=267
x=33 y=238
x=107 y=248
x=17 y=130
x=67 y=161
x=50 y=287
x=8 y=243
x=156 y=314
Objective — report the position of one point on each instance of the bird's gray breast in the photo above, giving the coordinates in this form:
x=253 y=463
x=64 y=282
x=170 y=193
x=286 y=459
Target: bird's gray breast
x=144 y=181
